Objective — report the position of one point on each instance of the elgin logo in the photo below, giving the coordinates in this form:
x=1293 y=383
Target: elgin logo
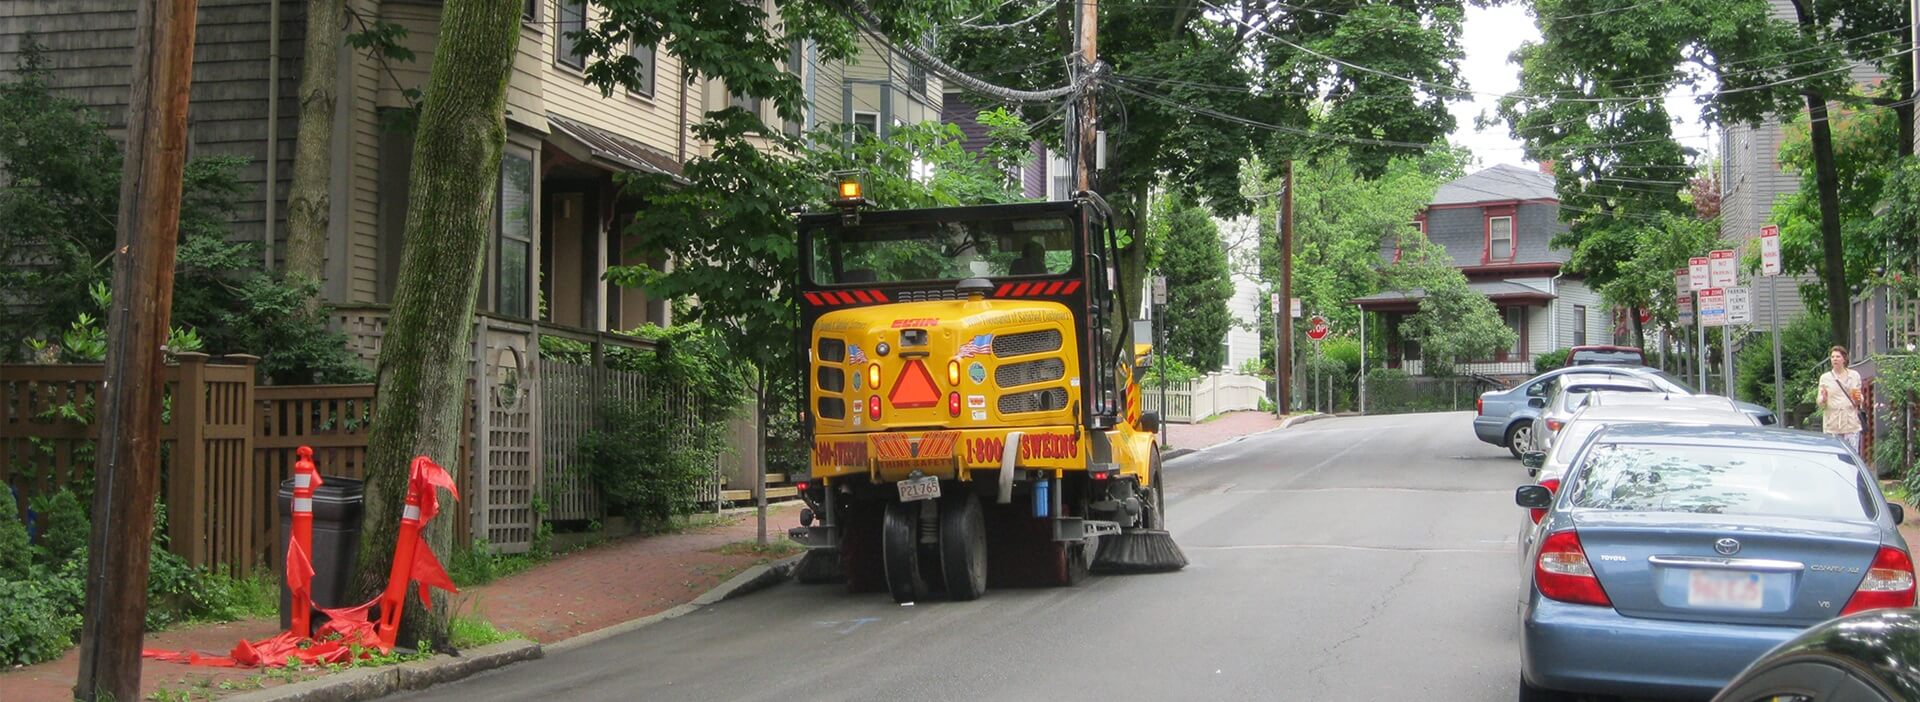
x=988 y=450
x=840 y=453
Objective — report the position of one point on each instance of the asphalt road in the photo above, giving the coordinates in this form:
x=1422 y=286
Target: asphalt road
x=1365 y=558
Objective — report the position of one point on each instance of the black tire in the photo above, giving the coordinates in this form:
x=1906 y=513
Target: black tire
x=1157 y=494
x=1531 y=693
x=860 y=555
x=900 y=551
x=963 y=546
x=1520 y=432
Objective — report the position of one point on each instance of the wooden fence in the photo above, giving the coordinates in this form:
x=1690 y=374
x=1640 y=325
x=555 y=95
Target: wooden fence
x=1214 y=394
x=227 y=445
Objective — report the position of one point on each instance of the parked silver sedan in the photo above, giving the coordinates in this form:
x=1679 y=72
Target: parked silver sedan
x=1569 y=395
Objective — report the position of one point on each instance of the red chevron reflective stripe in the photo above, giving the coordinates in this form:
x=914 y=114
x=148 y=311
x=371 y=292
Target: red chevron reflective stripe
x=1072 y=285
x=861 y=296
x=1055 y=287
x=879 y=296
x=813 y=299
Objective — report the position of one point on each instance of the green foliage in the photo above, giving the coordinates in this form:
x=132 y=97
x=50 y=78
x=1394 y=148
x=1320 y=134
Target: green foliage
x=1803 y=357
x=1866 y=154
x=33 y=627
x=1551 y=360
x=1190 y=255
x=1343 y=351
x=15 y=559
x=650 y=481
x=465 y=632
x=1643 y=276
x=58 y=208
x=1177 y=372
x=1454 y=323
x=67 y=528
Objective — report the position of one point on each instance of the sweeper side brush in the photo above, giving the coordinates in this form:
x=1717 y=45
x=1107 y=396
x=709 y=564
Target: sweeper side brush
x=1138 y=551
x=820 y=566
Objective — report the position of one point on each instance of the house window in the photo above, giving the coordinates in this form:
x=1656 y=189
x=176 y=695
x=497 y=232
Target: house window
x=1516 y=318
x=573 y=23
x=1418 y=225
x=868 y=122
x=1499 y=238
x=1579 y=325
x=1059 y=177
x=529 y=10
x=515 y=234
x=643 y=75
x=750 y=104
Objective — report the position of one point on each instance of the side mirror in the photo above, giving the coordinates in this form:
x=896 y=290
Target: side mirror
x=1537 y=402
x=1533 y=496
x=1533 y=460
x=1150 y=422
x=1899 y=513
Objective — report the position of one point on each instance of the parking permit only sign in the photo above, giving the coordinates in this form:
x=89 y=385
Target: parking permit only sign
x=1713 y=307
x=1739 y=306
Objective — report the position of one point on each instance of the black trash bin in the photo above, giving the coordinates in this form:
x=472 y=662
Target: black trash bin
x=337 y=505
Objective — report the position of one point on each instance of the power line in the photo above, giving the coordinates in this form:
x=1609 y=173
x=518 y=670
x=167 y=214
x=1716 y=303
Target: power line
x=871 y=23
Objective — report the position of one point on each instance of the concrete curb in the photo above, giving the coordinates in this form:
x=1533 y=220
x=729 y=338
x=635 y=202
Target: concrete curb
x=1303 y=419
x=372 y=683
x=1174 y=453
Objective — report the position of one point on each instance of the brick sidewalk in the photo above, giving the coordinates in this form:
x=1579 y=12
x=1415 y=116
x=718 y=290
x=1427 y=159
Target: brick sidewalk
x=625 y=579
x=1220 y=429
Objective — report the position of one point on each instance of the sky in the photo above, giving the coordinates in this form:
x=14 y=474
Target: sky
x=1491 y=35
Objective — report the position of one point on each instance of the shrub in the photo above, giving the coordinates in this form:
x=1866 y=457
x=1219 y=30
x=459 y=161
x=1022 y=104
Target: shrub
x=33 y=625
x=67 y=528
x=649 y=460
x=1803 y=357
x=1342 y=350
x=1177 y=372
x=14 y=556
x=1551 y=360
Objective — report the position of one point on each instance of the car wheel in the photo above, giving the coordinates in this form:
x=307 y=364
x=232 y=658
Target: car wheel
x=1531 y=693
x=1519 y=435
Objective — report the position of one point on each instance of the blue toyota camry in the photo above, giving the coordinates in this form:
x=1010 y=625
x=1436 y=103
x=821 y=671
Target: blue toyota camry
x=1672 y=557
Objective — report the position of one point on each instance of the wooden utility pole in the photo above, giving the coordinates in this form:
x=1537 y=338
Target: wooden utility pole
x=1086 y=133
x=127 y=470
x=1283 y=339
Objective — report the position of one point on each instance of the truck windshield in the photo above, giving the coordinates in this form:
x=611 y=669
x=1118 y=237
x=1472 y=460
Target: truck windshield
x=941 y=250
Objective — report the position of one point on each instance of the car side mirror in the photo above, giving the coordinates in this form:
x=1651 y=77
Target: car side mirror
x=1537 y=402
x=1899 y=513
x=1150 y=422
x=1533 y=460
x=1533 y=496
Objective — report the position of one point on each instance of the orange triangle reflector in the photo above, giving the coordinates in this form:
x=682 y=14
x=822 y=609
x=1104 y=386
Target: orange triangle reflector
x=914 y=388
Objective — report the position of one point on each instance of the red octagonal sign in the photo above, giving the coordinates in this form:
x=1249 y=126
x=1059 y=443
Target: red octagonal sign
x=1317 y=328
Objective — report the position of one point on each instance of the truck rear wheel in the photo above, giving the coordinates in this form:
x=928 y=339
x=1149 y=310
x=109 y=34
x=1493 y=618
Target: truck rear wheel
x=900 y=551
x=859 y=523
x=963 y=546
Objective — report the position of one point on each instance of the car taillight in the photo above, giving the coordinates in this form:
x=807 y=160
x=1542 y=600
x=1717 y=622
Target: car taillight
x=873 y=408
x=953 y=404
x=1888 y=584
x=1563 y=574
x=1552 y=485
x=1555 y=424
x=1479 y=405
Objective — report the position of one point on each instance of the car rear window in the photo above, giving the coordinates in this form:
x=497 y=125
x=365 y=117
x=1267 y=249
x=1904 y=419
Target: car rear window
x=1722 y=480
x=1625 y=357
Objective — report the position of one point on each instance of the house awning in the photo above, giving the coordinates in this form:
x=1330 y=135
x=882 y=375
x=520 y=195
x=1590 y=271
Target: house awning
x=1495 y=290
x=593 y=144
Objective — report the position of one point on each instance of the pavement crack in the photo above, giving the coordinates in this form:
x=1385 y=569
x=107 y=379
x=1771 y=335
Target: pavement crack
x=1329 y=654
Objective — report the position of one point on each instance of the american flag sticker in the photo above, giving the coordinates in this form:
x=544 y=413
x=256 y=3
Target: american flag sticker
x=981 y=345
x=855 y=355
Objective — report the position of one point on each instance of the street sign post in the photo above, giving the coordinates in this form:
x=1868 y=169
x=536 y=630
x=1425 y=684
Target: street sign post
x=1713 y=307
x=1159 y=290
x=1697 y=273
x=1317 y=328
x=1770 y=268
x=1681 y=281
x=1684 y=303
x=1720 y=269
x=1296 y=308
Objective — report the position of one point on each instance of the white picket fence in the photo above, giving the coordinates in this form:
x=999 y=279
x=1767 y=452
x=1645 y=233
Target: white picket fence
x=1215 y=394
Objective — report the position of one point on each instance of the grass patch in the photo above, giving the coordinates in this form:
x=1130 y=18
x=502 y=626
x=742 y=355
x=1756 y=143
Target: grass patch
x=692 y=522
x=479 y=564
x=778 y=548
x=1896 y=490
x=474 y=632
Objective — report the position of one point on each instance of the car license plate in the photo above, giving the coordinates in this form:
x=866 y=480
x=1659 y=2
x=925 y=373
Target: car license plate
x=915 y=489
x=1713 y=589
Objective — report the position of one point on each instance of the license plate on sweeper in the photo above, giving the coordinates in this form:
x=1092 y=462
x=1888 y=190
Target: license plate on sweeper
x=1724 y=590
x=915 y=489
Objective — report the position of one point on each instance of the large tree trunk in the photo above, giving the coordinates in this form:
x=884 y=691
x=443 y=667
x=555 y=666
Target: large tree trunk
x=308 y=203
x=1827 y=180
x=424 y=355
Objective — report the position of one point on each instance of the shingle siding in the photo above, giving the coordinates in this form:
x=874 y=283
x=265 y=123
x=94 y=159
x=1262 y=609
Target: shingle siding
x=1463 y=231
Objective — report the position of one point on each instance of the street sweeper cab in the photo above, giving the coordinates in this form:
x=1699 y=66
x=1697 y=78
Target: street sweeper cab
x=971 y=401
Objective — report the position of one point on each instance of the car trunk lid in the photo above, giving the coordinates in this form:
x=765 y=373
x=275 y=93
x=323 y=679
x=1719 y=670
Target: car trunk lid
x=1726 y=568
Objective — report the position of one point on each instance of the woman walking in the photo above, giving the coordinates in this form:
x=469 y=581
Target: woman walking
x=1840 y=400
